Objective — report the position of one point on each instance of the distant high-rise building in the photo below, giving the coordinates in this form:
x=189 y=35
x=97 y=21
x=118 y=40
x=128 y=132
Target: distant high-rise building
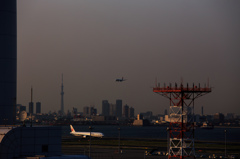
x=68 y=113
x=147 y=115
x=30 y=107
x=62 y=102
x=74 y=111
x=22 y=108
x=131 y=112
x=112 y=109
x=126 y=111
x=86 y=111
x=230 y=116
x=105 y=108
x=139 y=117
x=118 y=108
x=218 y=118
x=38 y=107
x=18 y=108
x=165 y=112
x=93 y=111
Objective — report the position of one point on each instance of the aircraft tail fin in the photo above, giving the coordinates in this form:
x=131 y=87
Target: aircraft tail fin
x=72 y=129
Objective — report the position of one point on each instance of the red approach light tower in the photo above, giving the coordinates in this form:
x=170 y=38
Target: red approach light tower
x=181 y=115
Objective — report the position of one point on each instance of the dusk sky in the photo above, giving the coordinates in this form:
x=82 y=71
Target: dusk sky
x=93 y=42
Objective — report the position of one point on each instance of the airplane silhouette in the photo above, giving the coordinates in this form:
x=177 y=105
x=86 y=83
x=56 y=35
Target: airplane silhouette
x=120 y=79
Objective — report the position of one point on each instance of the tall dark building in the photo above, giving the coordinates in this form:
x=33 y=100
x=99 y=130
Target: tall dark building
x=165 y=112
x=30 y=110
x=126 y=111
x=86 y=111
x=118 y=108
x=105 y=108
x=22 y=108
x=38 y=108
x=74 y=111
x=8 y=64
x=218 y=118
x=131 y=112
x=18 y=108
x=112 y=109
x=93 y=111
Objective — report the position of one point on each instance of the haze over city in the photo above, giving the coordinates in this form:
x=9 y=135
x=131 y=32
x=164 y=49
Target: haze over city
x=94 y=42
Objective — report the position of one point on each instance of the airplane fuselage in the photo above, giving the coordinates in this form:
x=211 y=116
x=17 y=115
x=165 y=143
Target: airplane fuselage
x=85 y=134
x=120 y=80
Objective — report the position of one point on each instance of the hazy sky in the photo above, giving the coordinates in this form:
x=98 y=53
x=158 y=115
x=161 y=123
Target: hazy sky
x=93 y=42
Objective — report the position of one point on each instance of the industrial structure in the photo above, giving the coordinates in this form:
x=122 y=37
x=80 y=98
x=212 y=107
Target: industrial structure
x=8 y=64
x=181 y=114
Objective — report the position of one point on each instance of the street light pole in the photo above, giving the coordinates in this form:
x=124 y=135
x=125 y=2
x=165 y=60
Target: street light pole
x=225 y=143
x=119 y=140
x=90 y=128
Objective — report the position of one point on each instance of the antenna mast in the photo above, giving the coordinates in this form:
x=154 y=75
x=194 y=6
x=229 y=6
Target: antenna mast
x=62 y=93
x=31 y=105
x=181 y=115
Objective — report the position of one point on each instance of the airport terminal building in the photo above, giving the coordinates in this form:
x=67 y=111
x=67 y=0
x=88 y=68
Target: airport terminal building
x=32 y=142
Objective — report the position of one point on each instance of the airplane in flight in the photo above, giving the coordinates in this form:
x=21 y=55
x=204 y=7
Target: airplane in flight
x=120 y=79
x=85 y=134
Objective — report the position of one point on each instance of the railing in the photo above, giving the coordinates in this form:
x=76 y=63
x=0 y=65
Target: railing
x=181 y=89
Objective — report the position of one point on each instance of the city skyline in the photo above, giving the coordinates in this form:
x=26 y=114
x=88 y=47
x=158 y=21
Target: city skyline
x=82 y=110
x=95 y=42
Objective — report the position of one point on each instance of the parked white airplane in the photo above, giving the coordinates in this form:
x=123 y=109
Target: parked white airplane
x=85 y=134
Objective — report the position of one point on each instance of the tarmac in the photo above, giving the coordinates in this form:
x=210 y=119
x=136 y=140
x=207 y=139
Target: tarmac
x=99 y=153
x=108 y=149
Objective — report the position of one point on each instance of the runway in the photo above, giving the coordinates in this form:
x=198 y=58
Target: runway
x=107 y=148
x=98 y=153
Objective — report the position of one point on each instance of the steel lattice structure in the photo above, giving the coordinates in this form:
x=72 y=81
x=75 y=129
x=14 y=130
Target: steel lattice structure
x=181 y=114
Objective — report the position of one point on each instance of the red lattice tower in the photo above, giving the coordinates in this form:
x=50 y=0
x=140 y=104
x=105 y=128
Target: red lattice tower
x=181 y=115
